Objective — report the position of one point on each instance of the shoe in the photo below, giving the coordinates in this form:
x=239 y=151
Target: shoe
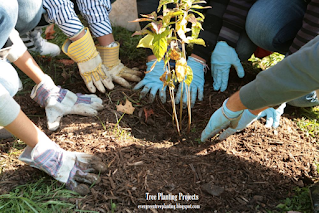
x=4 y=134
x=34 y=42
x=308 y=100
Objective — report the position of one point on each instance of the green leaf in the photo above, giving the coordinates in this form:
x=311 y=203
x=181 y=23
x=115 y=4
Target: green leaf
x=164 y=2
x=159 y=45
x=146 y=41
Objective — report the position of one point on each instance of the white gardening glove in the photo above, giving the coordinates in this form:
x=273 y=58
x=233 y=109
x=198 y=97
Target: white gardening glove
x=92 y=71
x=59 y=102
x=119 y=72
x=74 y=169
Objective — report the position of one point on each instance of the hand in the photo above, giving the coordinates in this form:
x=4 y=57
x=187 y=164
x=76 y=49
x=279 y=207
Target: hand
x=273 y=115
x=152 y=82
x=59 y=102
x=92 y=71
x=119 y=73
x=74 y=169
x=221 y=119
x=197 y=84
x=246 y=119
x=223 y=57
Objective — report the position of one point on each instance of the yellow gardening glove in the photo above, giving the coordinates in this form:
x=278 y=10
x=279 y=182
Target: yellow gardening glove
x=84 y=53
x=119 y=72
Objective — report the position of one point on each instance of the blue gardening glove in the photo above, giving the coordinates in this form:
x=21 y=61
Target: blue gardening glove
x=152 y=82
x=74 y=169
x=197 y=84
x=59 y=102
x=221 y=119
x=246 y=119
x=273 y=118
x=223 y=57
x=273 y=115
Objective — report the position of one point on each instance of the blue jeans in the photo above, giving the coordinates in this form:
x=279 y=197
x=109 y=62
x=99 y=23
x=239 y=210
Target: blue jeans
x=30 y=12
x=273 y=24
x=8 y=19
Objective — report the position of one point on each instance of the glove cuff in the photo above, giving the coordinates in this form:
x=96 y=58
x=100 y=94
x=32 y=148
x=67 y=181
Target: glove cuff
x=109 y=55
x=80 y=50
x=230 y=115
x=43 y=91
x=18 y=48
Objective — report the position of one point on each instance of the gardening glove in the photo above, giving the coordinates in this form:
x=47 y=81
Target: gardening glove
x=221 y=119
x=92 y=71
x=273 y=118
x=59 y=102
x=152 y=82
x=246 y=119
x=74 y=169
x=223 y=57
x=197 y=84
x=119 y=72
x=273 y=115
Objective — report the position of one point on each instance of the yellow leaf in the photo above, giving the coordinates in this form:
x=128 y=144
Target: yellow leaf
x=181 y=69
x=146 y=41
x=127 y=108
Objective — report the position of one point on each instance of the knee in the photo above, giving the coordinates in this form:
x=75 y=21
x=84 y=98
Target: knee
x=8 y=15
x=10 y=81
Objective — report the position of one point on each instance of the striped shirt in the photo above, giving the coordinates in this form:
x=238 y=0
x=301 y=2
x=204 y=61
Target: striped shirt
x=95 y=12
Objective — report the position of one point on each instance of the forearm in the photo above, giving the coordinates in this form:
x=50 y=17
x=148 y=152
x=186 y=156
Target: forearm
x=27 y=64
x=234 y=104
x=295 y=76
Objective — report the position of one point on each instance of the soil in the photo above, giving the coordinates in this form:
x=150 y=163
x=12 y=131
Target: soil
x=250 y=171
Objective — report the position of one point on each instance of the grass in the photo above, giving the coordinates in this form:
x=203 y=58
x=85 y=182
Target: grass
x=45 y=195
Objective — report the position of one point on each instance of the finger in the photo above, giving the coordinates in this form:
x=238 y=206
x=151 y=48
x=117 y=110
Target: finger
x=81 y=189
x=139 y=85
x=92 y=97
x=144 y=91
x=217 y=79
x=162 y=94
x=276 y=120
x=206 y=134
x=83 y=109
x=224 y=79
x=121 y=81
x=269 y=120
x=200 y=94
x=53 y=124
x=239 y=69
x=88 y=178
x=98 y=84
x=178 y=94
x=153 y=92
x=193 y=96
x=228 y=132
x=130 y=77
x=90 y=86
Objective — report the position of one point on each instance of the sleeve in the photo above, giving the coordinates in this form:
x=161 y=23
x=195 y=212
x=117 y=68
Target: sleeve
x=234 y=20
x=293 y=77
x=211 y=27
x=309 y=29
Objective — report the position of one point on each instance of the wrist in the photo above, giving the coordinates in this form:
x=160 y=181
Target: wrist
x=229 y=113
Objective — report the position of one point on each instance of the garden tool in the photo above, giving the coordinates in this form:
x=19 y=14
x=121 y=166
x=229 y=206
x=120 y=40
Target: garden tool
x=84 y=53
x=119 y=72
